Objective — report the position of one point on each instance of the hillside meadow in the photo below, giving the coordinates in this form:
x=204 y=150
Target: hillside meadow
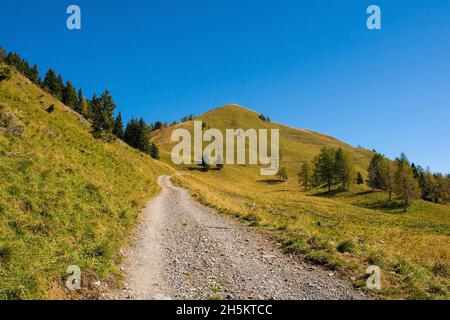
x=343 y=232
x=65 y=198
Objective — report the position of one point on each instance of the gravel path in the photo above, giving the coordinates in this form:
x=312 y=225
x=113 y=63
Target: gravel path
x=186 y=251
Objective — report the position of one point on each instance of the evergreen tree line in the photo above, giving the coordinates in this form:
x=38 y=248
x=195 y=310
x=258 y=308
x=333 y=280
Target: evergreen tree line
x=264 y=118
x=334 y=167
x=330 y=168
x=407 y=180
x=99 y=110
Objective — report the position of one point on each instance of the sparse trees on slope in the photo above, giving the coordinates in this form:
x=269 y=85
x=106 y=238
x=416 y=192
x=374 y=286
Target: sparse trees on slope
x=405 y=186
x=136 y=135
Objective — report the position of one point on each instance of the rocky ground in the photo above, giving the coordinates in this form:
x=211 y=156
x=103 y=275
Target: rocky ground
x=183 y=250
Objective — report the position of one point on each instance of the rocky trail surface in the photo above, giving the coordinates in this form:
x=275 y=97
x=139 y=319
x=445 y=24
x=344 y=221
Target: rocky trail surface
x=183 y=250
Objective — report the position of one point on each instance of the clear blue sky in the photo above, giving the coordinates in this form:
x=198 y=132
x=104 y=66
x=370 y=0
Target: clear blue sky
x=308 y=64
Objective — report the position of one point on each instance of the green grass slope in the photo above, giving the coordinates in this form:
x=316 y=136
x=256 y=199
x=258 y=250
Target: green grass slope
x=65 y=198
x=344 y=232
x=296 y=145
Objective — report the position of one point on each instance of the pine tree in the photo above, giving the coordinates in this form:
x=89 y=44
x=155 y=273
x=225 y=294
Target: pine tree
x=82 y=107
x=326 y=167
x=305 y=175
x=34 y=75
x=375 y=180
x=59 y=87
x=50 y=84
x=107 y=106
x=343 y=169
x=143 y=139
x=118 y=127
x=69 y=96
x=387 y=172
x=360 y=179
x=131 y=133
x=97 y=116
x=154 y=152
x=405 y=186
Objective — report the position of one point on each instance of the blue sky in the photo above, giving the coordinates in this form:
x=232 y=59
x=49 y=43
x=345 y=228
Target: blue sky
x=308 y=64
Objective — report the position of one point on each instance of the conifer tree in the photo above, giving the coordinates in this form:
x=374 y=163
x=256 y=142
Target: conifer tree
x=154 y=152
x=326 y=167
x=50 y=84
x=375 y=180
x=343 y=169
x=59 y=87
x=360 y=179
x=118 y=127
x=69 y=96
x=82 y=107
x=305 y=175
x=405 y=186
x=34 y=75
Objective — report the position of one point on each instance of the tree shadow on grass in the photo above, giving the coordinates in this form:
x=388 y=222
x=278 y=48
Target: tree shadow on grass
x=393 y=206
x=271 y=181
x=329 y=194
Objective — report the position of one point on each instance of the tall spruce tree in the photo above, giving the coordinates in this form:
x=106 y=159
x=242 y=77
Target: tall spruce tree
x=69 y=96
x=50 y=83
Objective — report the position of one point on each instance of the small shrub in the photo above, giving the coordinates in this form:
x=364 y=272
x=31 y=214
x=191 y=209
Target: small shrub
x=5 y=73
x=9 y=123
x=317 y=244
x=5 y=255
x=254 y=220
x=440 y=269
x=346 y=246
x=50 y=109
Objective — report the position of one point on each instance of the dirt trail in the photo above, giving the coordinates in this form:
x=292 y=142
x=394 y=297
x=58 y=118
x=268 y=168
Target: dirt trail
x=184 y=250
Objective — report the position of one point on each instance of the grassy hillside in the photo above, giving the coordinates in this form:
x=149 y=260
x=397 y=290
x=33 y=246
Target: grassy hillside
x=296 y=145
x=65 y=198
x=345 y=232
